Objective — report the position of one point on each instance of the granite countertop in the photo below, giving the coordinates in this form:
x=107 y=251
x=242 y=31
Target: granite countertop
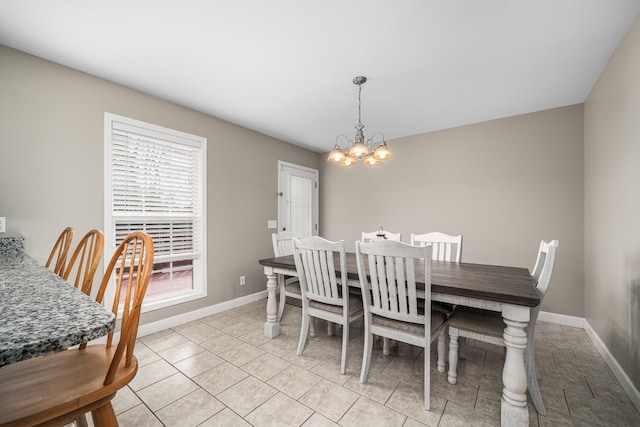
x=11 y=243
x=40 y=312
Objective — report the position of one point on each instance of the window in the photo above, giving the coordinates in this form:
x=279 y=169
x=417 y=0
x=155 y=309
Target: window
x=155 y=182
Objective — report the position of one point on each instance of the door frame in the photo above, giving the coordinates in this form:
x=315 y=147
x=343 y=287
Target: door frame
x=315 y=197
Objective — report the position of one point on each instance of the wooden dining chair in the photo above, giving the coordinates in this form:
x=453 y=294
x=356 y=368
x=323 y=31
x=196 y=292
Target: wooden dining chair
x=59 y=387
x=444 y=247
x=387 y=272
x=84 y=261
x=325 y=294
x=488 y=326
x=289 y=286
x=59 y=252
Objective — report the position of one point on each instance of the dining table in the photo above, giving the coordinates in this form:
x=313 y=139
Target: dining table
x=39 y=311
x=509 y=290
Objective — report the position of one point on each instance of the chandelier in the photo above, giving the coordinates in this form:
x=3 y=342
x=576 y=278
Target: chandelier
x=358 y=149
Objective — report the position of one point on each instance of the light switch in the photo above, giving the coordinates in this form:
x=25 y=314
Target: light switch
x=272 y=223
x=2 y=224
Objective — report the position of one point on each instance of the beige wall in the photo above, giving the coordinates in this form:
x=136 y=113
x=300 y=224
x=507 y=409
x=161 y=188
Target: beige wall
x=504 y=185
x=569 y=173
x=612 y=205
x=52 y=162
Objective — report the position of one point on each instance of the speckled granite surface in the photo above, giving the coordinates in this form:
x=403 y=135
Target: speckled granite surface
x=40 y=312
x=11 y=244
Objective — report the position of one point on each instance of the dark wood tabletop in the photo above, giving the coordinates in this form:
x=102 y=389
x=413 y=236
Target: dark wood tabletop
x=513 y=285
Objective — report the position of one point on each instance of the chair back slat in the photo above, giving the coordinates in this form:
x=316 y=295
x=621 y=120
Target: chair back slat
x=544 y=266
x=445 y=247
x=314 y=258
x=85 y=260
x=403 y=294
x=391 y=289
x=60 y=251
x=282 y=243
x=132 y=264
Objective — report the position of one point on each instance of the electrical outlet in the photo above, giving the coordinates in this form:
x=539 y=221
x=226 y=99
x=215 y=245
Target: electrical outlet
x=242 y=281
x=3 y=224
x=272 y=223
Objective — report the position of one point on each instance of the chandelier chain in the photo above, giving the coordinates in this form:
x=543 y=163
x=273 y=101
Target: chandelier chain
x=360 y=125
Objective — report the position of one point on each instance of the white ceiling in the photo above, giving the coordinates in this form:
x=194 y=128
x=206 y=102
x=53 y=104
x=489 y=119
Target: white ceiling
x=285 y=67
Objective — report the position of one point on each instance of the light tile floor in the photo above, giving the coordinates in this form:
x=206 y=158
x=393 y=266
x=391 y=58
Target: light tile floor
x=222 y=371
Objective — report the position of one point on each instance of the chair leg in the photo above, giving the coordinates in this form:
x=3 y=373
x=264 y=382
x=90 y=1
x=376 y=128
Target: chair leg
x=442 y=337
x=330 y=329
x=366 y=355
x=345 y=342
x=304 y=330
x=104 y=416
x=312 y=327
x=386 y=346
x=532 y=379
x=453 y=355
x=283 y=297
x=427 y=378
x=81 y=421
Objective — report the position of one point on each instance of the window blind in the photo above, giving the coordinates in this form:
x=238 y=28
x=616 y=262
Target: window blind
x=156 y=188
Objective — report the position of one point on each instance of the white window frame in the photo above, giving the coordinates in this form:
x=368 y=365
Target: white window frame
x=200 y=264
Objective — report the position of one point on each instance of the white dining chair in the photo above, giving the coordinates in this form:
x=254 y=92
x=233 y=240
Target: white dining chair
x=325 y=294
x=386 y=270
x=368 y=237
x=445 y=247
x=289 y=286
x=488 y=326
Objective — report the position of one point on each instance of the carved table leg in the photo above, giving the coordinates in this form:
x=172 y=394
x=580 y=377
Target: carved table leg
x=514 y=410
x=271 y=326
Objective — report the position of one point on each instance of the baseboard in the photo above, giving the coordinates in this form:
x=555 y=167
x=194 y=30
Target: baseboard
x=561 y=319
x=170 y=322
x=613 y=364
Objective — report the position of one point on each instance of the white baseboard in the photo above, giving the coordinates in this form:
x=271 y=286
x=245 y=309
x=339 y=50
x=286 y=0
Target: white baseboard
x=170 y=322
x=561 y=319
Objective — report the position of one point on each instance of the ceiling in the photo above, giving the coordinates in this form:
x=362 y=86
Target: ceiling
x=285 y=67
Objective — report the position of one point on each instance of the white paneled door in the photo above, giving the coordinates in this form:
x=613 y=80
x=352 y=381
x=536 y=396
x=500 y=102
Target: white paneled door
x=297 y=199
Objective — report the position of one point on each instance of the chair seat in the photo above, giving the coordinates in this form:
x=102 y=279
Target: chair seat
x=355 y=306
x=437 y=320
x=476 y=320
x=443 y=307
x=57 y=384
x=293 y=289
